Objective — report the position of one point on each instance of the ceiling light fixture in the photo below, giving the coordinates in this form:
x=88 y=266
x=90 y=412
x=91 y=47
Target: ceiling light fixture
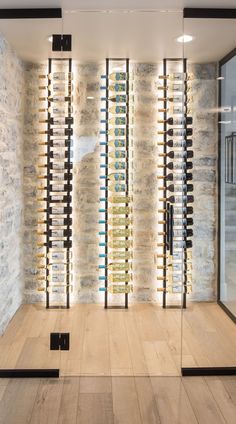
x=220 y=78
x=90 y=97
x=184 y=38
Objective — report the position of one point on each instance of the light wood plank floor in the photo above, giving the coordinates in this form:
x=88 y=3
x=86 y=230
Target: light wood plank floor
x=143 y=341
x=119 y=400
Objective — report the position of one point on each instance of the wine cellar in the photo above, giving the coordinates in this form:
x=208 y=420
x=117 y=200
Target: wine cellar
x=118 y=193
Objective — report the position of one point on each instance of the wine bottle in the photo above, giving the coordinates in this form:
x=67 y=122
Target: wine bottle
x=115 y=121
x=180 y=211
x=117 y=154
x=55 y=154
x=114 y=176
x=116 y=110
x=58 y=76
x=57 y=244
x=55 y=143
x=177 y=132
x=120 y=199
x=182 y=244
x=114 y=165
x=181 y=143
x=179 y=98
x=118 y=98
x=57 y=166
x=178 y=76
x=117 y=76
x=54 y=222
x=118 y=244
x=61 y=109
x=178 y=155
x=57 y=289
x=177 y=121
x=178 y=199
x=179 y=233
x=119 y=277
x=56 y=233
x=56 y=99
x=176 y=177
x=116 y=88
x=59 y=121
x=58 y=131
x=114 y=143
x=55 y=255
x=180 y=88
x=179 y=222
x=115 y=233
x=55 y=199
x=57 y=210
x=114 y=187
x=118 y=288
x=177 y=165
x=176 y=288
x=176 y=110
x=178 y=187
x=176 y=256
x=56 y=187
x=117 y=222
x=58 y=87
x=119 y=266
x=117 y=255
x=117 y=132
x=172 y=267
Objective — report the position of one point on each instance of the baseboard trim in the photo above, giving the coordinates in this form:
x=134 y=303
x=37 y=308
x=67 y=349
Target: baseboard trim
x=207 y=371
x=30 y=373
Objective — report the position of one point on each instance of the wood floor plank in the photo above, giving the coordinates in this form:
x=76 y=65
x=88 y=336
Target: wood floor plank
x=202 y=401
x=69 y=401
x=95 y=385
x=120 y=356
x=95 y=408
x=125 y=401
x=18 y=401
x=135 y=346
x=223 y=399
x=147 y=401
x=229 y=383
x=47 y=403
x=173 y=404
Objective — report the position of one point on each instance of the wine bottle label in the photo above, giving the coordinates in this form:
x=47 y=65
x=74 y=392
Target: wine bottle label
x=119 y=199
x=119 y=221
x=119 y=278
x=120 y=244
x=117 y=255
x=118 y=288
x=119 y=210
x=116 y=233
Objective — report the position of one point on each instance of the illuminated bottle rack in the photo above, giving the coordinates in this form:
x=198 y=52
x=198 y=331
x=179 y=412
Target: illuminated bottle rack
x=55 y=184
x=175 y=212
x=116 y=201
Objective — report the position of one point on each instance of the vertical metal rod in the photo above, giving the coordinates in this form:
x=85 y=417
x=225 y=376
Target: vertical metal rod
x=69 y=193
x=48 y=184
x=164 y=185
x=106 y=184
x=185 y=256
x=127 y=162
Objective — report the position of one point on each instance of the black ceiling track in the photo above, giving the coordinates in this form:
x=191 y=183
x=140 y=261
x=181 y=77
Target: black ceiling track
x=212 y=13
x=42 y=13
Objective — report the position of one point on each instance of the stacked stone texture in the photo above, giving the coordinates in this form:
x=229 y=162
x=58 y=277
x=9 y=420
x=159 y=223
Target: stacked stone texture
x=12 y=87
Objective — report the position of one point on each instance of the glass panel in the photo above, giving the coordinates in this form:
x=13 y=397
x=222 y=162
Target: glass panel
x=146 y=339
x=208 y=332
x=228 y=181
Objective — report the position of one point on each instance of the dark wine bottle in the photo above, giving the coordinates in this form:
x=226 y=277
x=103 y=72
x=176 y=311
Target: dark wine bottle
x=177 y=177
x=178 y=155
x=177 y=143
x=177 y=121
x=59 y=121
x=177 y=165
x=177 y=132
x=178 y=199
x=178 y=187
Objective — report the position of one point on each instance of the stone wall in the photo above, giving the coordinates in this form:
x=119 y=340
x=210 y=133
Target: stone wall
x=145 y=157
x=12 y=87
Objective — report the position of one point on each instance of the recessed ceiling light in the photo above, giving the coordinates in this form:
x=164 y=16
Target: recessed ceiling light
x=90 y=97
x=184 y=38
x=50 y=39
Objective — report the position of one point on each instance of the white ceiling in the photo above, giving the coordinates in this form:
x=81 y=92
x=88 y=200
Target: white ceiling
x=144 y=30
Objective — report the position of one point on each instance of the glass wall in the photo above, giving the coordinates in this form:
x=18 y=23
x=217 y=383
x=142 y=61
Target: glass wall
x=208 y=332
x=227 y=288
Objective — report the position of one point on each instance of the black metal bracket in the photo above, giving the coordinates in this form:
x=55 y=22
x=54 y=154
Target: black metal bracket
x=37 y=13
x=60 y=341
x=61 y=42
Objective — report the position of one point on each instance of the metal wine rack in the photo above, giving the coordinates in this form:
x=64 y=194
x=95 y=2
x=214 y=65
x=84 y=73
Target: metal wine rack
x=176 y=276
x=116 y=210
x=55 y=213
